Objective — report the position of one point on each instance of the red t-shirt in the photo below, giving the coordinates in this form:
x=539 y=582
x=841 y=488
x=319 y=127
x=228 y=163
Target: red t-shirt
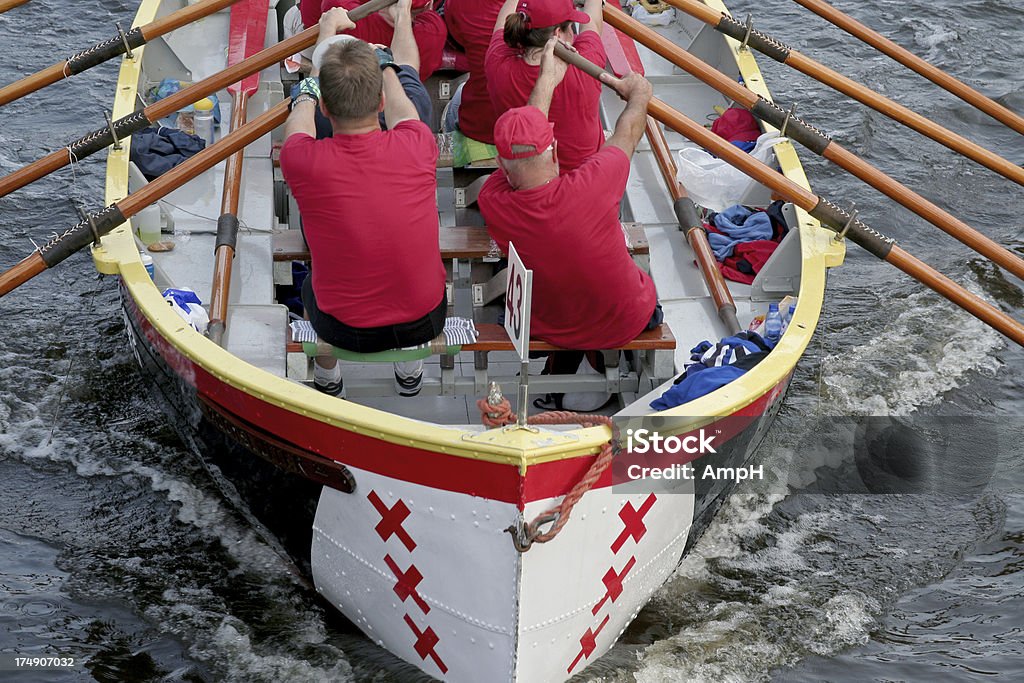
x=310 y=11
x=369 y=213
x=427 y=27
x=471 y=23
x=587 y=292
x=574 y=104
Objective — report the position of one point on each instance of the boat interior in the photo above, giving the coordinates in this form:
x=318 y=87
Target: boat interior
x=269 y=242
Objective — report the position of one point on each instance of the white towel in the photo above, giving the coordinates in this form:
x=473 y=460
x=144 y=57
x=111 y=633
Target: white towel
x=457 y=331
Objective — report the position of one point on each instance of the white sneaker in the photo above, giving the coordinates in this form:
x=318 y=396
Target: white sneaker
x=328 y=381
x=408 y=377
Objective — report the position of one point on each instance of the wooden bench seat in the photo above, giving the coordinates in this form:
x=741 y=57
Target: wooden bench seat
x=494 y=338
x=467 y=242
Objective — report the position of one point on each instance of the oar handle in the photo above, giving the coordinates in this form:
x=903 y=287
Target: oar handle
x=828 y=213
x=690 y=224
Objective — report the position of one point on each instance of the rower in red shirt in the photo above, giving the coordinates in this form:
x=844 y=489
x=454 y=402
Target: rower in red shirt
x=587 y=291
x=427 y=27
x=513 y=62
x=471 y=23
x=367 y=199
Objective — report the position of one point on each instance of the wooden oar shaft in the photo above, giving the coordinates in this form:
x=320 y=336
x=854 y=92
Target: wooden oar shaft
x=988 y=314
x=102 y=222
x=10 y=4
x=110 y=48
x=829 y=214
x=815 y=141
x=227 y=226
x=915 y=63
x=689 y=223
x=123 y=127
x=207 y=158
x=897 y=112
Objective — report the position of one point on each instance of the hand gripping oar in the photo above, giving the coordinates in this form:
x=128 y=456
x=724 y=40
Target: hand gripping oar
x=814 y=140
x=247 y=31
x=101 y=138
x=828 y=213
x=897 y=112
x=120 y=44
x=100 y=223
x=915 y=63
x=690 y=224
x=10 y=4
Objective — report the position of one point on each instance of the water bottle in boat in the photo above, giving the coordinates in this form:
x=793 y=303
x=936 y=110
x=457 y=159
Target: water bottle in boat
x=773 y=324
x=147 y=261
x=788 y=318
x=186 y=120
x=203 y=119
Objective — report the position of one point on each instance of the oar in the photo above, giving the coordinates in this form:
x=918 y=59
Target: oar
x=100 y=223
x=101 y=138
x=690 y=224
x=814 y=140
x=828 y=213
x=122 y=43
x=897 y=112
x=915 y=63
x=10 y=4
x=247 y=31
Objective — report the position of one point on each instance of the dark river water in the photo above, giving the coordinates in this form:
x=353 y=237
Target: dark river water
x=118 y=548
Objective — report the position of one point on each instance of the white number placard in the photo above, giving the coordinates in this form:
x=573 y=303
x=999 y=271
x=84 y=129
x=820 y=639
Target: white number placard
x=517 y=303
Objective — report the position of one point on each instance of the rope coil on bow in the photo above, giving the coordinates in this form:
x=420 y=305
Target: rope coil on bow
x=496 y=411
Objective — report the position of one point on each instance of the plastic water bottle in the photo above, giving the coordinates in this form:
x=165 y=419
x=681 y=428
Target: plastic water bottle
x=147 y=261
x=773 y=324
x=203 y=119
x=787 y=318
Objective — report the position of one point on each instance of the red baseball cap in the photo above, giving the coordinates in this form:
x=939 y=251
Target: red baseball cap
x=522 y=127
x=544 y=13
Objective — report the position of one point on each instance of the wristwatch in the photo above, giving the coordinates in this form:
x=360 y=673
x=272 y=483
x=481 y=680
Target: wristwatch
x=391 y=65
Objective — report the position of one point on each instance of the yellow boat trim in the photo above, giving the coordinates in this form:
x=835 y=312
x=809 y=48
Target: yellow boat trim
x=119 y=255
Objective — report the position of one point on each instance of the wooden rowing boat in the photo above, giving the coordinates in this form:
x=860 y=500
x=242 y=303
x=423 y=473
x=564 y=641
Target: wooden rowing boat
x=399 y=507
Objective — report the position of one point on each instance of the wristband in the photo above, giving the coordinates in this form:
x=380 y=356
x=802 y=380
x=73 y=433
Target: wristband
x=391 y=65
x=303 y=97
x=384 y=55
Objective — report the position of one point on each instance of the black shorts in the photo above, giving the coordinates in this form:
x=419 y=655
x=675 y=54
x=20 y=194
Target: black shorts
x=373 y=339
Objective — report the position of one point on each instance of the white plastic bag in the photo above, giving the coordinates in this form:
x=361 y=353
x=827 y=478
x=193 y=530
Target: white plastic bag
x=712 y=182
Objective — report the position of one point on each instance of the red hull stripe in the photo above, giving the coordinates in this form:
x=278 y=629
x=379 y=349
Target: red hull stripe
x=453 y=473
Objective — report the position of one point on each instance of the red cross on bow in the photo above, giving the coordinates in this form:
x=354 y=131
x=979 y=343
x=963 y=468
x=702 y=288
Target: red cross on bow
x=613 y=584
x=588 y=643
x=425 y=643
x=391 y=520
x=407 y=582
x=633 y=520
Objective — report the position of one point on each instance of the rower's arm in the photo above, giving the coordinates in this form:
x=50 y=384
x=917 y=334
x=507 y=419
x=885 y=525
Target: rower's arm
x=403 y=43
x=302 y=118
x=593 y=9
x=508 y=9
x=629 y=127
x=397 y=105
x=552 y=71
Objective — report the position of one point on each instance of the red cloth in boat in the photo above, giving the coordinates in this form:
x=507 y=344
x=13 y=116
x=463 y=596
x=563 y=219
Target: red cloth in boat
x=471 y=23
x=736 y=124
x=574 y=104
x=587 y=291
x=427 y=27
x=369 y=215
